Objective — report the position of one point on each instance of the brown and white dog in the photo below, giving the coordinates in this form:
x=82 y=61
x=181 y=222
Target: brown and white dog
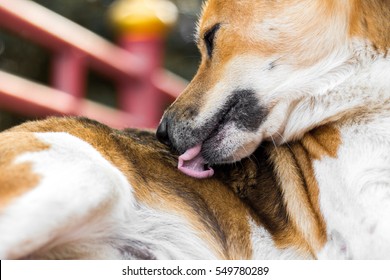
x=274 y=70
x=314 y=73
x=72 y=188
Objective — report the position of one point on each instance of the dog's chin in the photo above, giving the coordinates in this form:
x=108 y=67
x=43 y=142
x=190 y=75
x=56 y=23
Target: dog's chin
x=229 y=153
x=229 y=144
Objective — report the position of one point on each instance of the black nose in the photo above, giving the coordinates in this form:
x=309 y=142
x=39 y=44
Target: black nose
x=162 y=132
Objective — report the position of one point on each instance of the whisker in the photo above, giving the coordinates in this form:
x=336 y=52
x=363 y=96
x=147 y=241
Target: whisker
x=252 y=158
x=273 y=141
x=255 y=159
x=284 y=140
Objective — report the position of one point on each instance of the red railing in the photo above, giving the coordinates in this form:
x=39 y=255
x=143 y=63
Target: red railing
x=143 y=86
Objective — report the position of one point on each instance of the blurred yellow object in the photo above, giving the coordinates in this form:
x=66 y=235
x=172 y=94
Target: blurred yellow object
x=143 y=17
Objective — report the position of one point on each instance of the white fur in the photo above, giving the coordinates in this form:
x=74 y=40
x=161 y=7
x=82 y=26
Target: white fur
x=362 y=85
x=355 y=186
x=355 y=192
x=264 y=247
x=67 y=196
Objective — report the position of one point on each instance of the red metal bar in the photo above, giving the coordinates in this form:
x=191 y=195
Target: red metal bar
x=168 y=83
x=141 y=97
x=32 y=99
x=69 y=72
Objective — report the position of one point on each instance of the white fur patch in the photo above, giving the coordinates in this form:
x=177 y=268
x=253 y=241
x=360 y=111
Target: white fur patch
x=76 y=182
x=264 y=247
x=355 y=193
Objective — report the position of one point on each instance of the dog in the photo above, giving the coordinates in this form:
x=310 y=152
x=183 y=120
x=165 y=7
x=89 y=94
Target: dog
x=72 y=188
x=272 y=71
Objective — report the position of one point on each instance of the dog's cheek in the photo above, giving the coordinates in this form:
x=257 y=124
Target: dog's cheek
x=247 y=113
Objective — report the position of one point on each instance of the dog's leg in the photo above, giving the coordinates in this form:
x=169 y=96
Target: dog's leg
x=80 y=197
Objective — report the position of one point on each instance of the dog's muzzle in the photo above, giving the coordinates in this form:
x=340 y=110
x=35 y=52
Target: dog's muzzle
x=211 y=139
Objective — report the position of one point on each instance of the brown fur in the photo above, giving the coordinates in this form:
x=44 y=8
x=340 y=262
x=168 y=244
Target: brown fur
x=17 y=178
x=370 y=19
x=316 y=144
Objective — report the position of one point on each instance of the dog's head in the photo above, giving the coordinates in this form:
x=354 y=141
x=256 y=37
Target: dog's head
x=258 y=58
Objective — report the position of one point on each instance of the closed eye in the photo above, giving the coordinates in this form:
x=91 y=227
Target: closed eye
x=209 y=37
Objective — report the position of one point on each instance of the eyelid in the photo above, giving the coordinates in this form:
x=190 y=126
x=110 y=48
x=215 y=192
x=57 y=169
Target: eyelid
x=209 y=38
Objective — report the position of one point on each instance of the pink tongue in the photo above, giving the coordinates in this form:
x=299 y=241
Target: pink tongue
x=193 y=164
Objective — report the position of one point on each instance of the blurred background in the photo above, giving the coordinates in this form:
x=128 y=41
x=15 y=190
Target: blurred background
x=21 y=56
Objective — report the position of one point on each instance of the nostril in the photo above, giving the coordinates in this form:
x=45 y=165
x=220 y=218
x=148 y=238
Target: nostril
x=162 y=132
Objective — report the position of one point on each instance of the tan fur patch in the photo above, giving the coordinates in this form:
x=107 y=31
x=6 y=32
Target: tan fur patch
x=297 y=203
x=370 y=19
x=322 y=141
x=16 y=179
x=304 y=164
x=294 y=165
